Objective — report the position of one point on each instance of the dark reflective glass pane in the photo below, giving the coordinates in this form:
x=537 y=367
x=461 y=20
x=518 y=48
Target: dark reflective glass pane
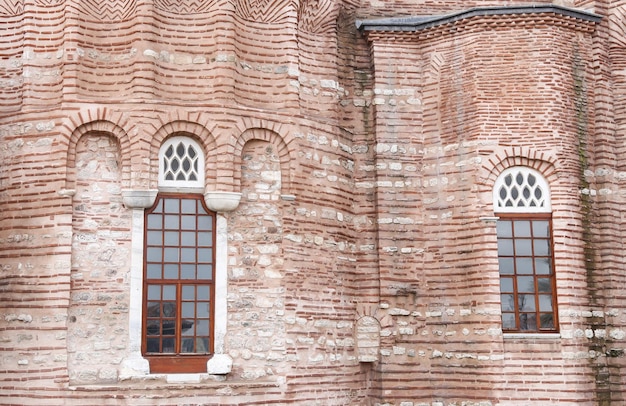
x=202 y=309
x=153 y=309
x=180 y=176
x=541 y=229
x=186 y=164
x=508 y=321
x=504 y=229
x=531 y=179
x=542 y=247
x=538 y=193
x=503 y=193
x=205 y=272
x=155 y=238
x=524 y=265
x=188 y=239
x=175 y=164
x=542 y=266
x=519 y=179
x=191 y=151
x=514 y=193
x=170 y=271
x=507 y=303
x=188 y=223
x=528 y=321
x=154 y=271
x=522 y=228
x=171 y=238
x=153 y=328
x=170 y=254
x=547 y=320
x=188 y=255
x=506 y=266
x=187 y=345
x=188 y=310
x=508 y=180
x=205 y=223
x=169 y=151
x=505 y=247
x=544 y=285
x=506 y=285
x=155 y=221
x=202 y=345
x=526 y=303
x=545 y=303
x=169 y=309
x=202 y=327
x=180 y=149
x=205 y=239
x=154 y=255
x=526 y=192
x=171 y=222
x=154 y=292
x=188 y=271
x=204 y=293
x=188 y=206
x=205 y=255
x=169 y=292
x=169 y=176
x=189 y=292
x=168 y=345
x=153 y=345
x=192 y=176
x=525 y=284
x=523 y=248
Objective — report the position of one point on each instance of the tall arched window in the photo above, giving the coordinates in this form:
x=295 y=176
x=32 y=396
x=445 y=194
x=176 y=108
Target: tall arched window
x=179 y=271
x=521 y=199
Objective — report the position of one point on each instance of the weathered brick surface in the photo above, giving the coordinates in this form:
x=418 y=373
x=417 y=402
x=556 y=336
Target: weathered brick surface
x=362 y=260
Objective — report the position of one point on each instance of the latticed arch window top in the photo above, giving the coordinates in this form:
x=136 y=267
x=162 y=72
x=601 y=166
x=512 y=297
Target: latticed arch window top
x=521 y=189
x=181 y=163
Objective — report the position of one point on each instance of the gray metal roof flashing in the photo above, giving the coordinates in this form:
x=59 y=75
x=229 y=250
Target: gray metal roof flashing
x=418 y=23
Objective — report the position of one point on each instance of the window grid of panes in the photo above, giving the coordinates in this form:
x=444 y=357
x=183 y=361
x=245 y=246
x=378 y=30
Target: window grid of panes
x=527 y=288
x=178 y=280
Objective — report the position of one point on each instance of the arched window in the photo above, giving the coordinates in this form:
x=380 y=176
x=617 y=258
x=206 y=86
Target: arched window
x=179 y=271
x=521 y=199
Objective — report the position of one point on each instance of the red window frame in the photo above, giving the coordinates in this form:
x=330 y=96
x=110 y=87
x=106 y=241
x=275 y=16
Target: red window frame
x=528 y=294
x=178 y=284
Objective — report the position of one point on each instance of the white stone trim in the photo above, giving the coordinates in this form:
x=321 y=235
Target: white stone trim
x=511 y=198
x=199 y=164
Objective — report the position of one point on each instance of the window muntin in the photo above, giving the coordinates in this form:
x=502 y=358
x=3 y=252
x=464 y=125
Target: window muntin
x=178 y=283
x=525 y=256
x=181 y=163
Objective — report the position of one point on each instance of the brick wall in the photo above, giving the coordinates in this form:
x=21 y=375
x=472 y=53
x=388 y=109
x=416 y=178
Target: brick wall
x=361 y=262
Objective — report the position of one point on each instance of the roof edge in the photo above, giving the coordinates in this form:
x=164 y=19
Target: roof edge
x=418 y=23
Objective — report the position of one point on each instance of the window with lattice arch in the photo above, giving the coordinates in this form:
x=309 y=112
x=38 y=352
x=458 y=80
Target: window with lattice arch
x=521 y=199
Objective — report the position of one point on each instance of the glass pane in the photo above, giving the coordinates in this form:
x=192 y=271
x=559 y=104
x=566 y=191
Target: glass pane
x=153 y=328
x=155 y=221
x=154 y=309
x=188 y=223
x=507 y=302
x=171 y=238
x=547 y=320
x=525 y=284
x=505 y=247
x=169 y=292
x=154 y=254
x=523 y=248
x=171 y=206
x=204 y=293
x=202 y=328
x=545 y=303
x=171 y=222
x=188 y=206
x=153 y=345
x=159 y=207
x=154 y=292
x=171 y=254
x=188 y=271
x=528 y=321
x=506 y=285
x=155 y=238
x=205 y=255
x=188 y=255
x=544 y=285
x=168 y=345
x=188 y=310
x=187 y=345
x=171 y=271
x=202 y=345
x=205 y=223
x=205 y=239
x=154 y=271
x=541 y=229
x=542 y=266
x=524 y=265
x=506 y=266
x=503 y=228
x=188 y=239
x=189 y=292
x=522 y=228
x=187 y=327
x=205 y=272
x=542 y=247
x=526 y=303
x=169 y=309
x=508 y=321
x=202 y=309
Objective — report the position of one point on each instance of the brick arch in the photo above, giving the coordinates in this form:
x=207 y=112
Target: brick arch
x=99 y=126
x=545 y=163
x=272 y=137
x=194 y=130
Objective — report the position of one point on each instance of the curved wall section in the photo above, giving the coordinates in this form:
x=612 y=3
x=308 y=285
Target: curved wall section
x=11 y=49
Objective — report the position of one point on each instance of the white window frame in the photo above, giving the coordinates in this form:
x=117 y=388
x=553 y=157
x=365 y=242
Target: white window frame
x=544 y=204
x=187 y=142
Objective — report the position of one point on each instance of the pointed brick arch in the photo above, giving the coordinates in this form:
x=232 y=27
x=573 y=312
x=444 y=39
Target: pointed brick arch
x=97 y=121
